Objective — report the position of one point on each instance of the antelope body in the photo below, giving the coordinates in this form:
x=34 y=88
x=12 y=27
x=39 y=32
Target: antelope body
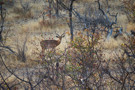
x=51 y=44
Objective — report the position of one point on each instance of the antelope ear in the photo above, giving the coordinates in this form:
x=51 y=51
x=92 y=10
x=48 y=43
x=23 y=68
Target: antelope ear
x=63 y=35
x=57 y=36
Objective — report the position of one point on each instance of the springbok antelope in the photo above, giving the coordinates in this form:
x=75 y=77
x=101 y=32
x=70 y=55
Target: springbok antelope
x=48 y=44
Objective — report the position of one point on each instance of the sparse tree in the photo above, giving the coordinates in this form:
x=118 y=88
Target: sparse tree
x=70 y=10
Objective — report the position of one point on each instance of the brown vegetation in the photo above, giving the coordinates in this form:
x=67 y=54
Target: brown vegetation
x=90 y=61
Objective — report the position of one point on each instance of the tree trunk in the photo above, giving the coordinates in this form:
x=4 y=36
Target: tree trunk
x=2 y=21
x=50 y=8
x=57 y=9
x=70 y=19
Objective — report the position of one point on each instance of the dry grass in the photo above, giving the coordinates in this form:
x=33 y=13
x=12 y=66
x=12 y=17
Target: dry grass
x=10 y=81
x=12 y=62
x=130 y=26
x=111 y=54
x=122 y=20
x=112 y=48
x=20 y=13
x=10 y=16
x=38 y=30
x=85 y=1
x=30 y=26
x=35 y=35
x=45 y=30
x=38 y=6
x=47 y=24
x=111 y=44
x=17 y=12
x=33 y=48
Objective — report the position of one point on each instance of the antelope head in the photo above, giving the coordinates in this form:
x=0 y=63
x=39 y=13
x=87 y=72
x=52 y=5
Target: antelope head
x=60 y=36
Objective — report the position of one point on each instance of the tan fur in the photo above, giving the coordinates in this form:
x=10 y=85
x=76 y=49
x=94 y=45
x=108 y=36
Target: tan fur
x=50 y=44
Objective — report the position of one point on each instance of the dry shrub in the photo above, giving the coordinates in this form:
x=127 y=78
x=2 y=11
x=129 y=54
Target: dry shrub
x=130 y=46
x=30 y=47
x=12 y=60
x=21 y=13
x=83 y=47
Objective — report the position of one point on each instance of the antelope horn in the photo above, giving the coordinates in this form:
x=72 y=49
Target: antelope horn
x=63 y=33
x=57 y=34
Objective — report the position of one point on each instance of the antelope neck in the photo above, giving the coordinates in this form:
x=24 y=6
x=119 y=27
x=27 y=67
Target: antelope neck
x=59 y=40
